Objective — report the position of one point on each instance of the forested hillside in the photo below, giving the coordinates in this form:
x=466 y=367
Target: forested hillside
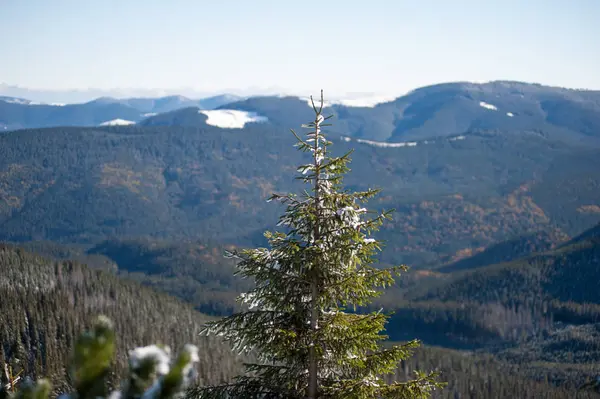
x=47 y=304
x=452 y=197
x=542 y=310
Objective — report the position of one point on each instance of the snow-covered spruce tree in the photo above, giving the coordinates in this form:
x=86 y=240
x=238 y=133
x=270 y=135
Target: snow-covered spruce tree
x=307 y=344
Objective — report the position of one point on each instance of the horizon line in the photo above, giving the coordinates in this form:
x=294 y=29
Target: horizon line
x=251 y=91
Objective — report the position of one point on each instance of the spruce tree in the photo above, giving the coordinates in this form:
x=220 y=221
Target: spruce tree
x=300 y=320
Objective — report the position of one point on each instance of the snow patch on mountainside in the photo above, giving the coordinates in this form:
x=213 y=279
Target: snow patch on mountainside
x=15 y=100
x=387 y=145
x=231 y=119
x=368 y=102
x=117 y=122
x=384 y=144
x=488 y=106
x=149 y=114
x=22 y=101
x=510 y=114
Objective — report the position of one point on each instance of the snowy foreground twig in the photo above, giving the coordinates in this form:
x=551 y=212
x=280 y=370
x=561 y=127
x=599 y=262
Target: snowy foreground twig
x=152 y=372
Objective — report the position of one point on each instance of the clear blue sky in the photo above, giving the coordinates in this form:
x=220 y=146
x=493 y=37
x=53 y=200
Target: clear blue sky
x=341 y=46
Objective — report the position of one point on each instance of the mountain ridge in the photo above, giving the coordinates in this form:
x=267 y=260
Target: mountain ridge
x=18 y=114
x=447 y=109
x=443 y=109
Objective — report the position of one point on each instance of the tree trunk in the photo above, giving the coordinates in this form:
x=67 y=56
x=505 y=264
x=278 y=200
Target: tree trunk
x=314 y=316
x=312 y=356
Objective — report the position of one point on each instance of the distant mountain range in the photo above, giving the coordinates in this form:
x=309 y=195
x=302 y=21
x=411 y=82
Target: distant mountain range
x=449 y=109
x=433 y=111
x=170 y=103
x=19 y=113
